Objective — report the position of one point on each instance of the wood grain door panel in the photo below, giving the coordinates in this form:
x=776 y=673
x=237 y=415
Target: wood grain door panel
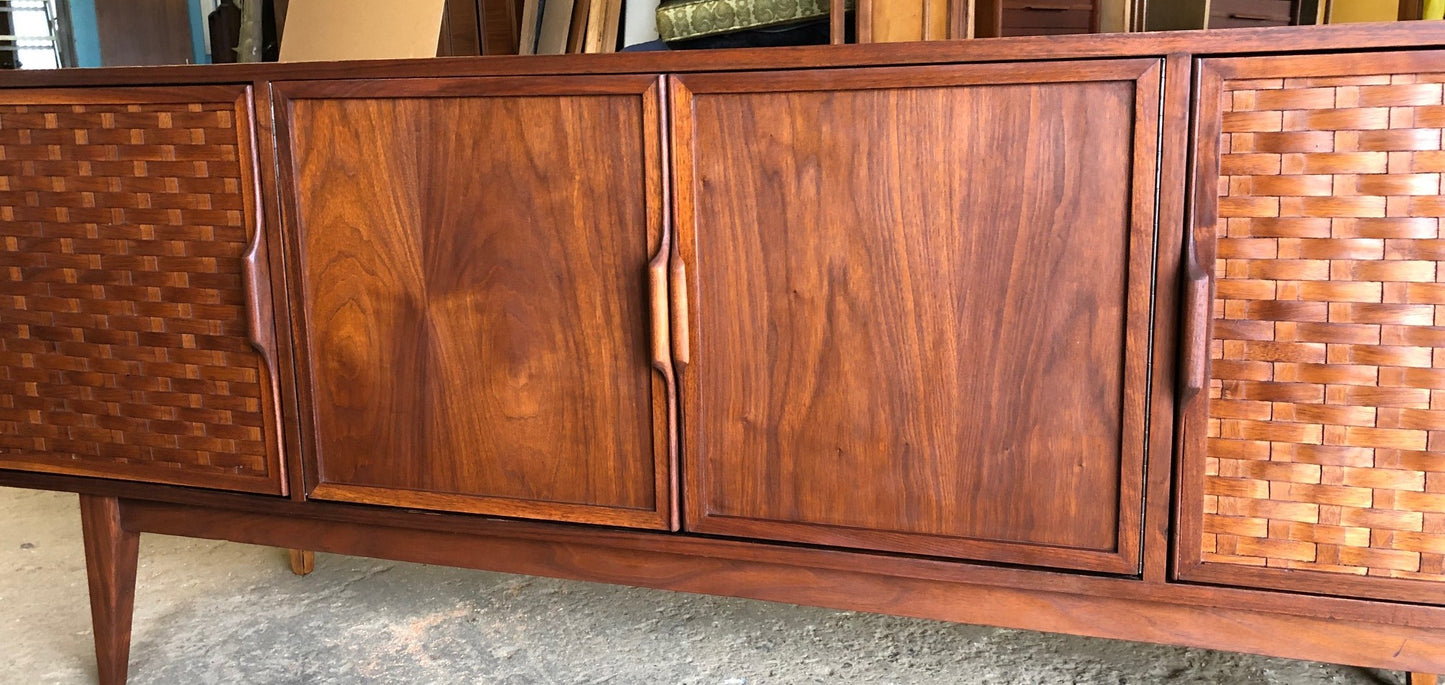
x=1312 y=452
x=136 y=334
x=143 y=32
x=472 y=257
x=893 y=351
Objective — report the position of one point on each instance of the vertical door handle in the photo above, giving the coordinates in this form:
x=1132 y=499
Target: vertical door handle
x=256 y=283
x=677 y=277
x=255 y=271
x=667 y=299
x=1198 y=314
x=657 y=306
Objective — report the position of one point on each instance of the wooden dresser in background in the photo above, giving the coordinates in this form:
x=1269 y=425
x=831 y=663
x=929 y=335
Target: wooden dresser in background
x=1138 y=336
x=1035 y=18
x=1234 y=14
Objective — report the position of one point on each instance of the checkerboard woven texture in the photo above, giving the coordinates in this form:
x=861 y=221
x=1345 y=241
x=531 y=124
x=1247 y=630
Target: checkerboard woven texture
x=1327 y=414
x=122 y=322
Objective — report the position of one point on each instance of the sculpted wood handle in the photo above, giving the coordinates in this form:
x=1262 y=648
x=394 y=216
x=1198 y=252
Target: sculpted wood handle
x=657 y=304
x=256 y=278
x=255 y=272
x=257 y=286
x=681 y=346
x=1198 y=311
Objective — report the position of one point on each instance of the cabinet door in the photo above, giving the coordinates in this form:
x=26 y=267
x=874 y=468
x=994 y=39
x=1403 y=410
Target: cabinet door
x=1314 y=448
x=919 y=307
x=135 y=315
x=471 y=261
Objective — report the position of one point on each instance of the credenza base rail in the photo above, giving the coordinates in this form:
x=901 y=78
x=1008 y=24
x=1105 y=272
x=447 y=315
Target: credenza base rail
x=813 y=577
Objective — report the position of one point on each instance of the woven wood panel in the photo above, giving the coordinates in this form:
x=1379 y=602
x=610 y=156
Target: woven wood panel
x=123 y=330
x=1327 y=413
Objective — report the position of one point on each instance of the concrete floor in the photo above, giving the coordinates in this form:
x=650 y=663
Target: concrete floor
x=211 y=612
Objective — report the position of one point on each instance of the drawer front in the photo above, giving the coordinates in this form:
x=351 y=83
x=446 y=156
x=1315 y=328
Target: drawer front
x=1224 y=14
x=893 y=352
x=1045 y=6
x=1318 y=451
x=129 y=290
x=1046 y=17
x=473 y=302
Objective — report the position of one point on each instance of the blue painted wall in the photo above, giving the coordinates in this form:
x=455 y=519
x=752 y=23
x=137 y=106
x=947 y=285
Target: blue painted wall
x=201 y=53
x=87 y=35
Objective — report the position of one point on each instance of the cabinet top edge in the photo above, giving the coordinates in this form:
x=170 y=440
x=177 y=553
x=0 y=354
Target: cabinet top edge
x=1247 y=41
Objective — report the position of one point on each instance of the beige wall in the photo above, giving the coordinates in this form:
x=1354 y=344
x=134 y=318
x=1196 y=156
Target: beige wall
x=1114 y=16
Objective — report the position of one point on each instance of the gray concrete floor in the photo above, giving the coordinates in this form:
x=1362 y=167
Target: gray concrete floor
x=212 y=612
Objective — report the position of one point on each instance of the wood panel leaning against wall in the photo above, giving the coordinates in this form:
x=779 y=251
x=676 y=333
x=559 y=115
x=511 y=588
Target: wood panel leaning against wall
x=139 y=32
x=469 y=27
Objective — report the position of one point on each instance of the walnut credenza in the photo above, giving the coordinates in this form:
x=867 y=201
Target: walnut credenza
x=1138 y=337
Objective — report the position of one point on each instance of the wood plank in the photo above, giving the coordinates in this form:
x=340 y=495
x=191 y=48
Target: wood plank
x=556 y=27
x=578 y=38
x=461 y=35
x=529 y=28
x=614 y=24
x=897 y=21
x=962 y=15
x=501 y=22
x=143 y=32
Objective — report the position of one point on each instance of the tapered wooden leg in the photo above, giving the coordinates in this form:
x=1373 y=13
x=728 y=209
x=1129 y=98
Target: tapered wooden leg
x=1423 y=679
x=303 y=561
x=111 y=553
